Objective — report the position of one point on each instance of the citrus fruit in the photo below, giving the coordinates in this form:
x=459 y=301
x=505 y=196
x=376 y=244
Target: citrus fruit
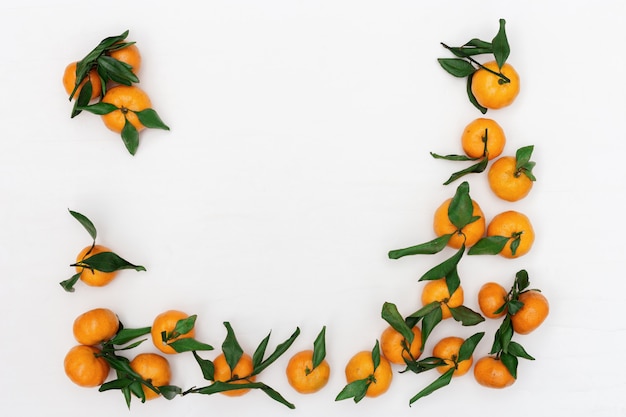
x=491 y=297
x=448 y=350
x=492 y=373
x=128 y=100
x=517 y=227
x=154 y=369
x=361 y=366
x=506 y=181
x=470 y=234
x=394 y=346
x=490 y=90
x=94 y=277
x=437 y=290
x=166 y=322
x=301 y=375
x=95 y=326
x=84 y=368
x=69 y=81
x=532 y=314
x=129 y=55
x=239 y=375
x=483 y=137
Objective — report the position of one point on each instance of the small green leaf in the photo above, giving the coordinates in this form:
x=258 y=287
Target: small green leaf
x=473 y=169
x=425 y=364
x=280 y=349
x=477 y=43
x=514 y=306
x=68 y=284
x=521 y=280
x=206 y=366
x=457 y=67
x=523 y=155
x=453 y=281
x=517 y=239
x=461 y=207
x=275 y=395
x=472 y=97
x=84 y=97
x=444 y=268
x=107 y=262
x=490 y=245
x=466 y=316
x=469 y=345
x=429 y=322
x=503 y=337
x=100 y=108
x=518 y=350
x=150 y=118
x=170 y=392
x=392 y=316
x=86 y=223
x=440 y=382
x=429 y=248
x=126 y=335
x=501 y=49
x=452 y=157
x=319 y=348
x=130 y=137
x=414 y=318
x=231 y=348
x=511 y=363
x=188 y=344
x=376 y=355
x=355 y=389
x=184 y=326
x=259 y=352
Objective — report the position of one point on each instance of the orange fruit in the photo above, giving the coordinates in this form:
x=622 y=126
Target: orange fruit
x=94 y=277
x=129 y=55
x=69 y=81
x=166 y=322
x=239 y=375
x=154 y=369
x=507 y=182
x=490 y=91
x=470 y=234
x=361 y=366
x=84 y=368
x=532 y=314
x=437 y=290
x=514 y=225
x=483 y=137
x=393 y=345
x=491 y=297
x=302 y=378
x=490 y=372
x=448 y=350
x=95 y=326
x=128 y=100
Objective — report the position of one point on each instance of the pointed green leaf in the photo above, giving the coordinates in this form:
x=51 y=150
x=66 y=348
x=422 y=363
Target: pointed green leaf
x=206 y=366
x=522 y=156
x=429 y=322
x=444 y=268
x=501 y=49
x=473 y=169
x=414 y=318
x=130 y=137
x=355 y=389
x=275 y=395
x=469 y=345
x=457 y=67
x=170 y=392
x=514 y=306
x=68 y=284
x=126 y=335
x=453 y=281
x=425 y=364
x=117 y=71
x=522 y=281
x=319 y=348
x=280 y=349
x=392 y=316
x=259 y=352
x=518 y=350
x=429 y=248
x=490 y=245
x=150 y=118
x=472 y=97
x=231 y=348
x=184 y=326
x=466 y=316
x=511 y=363
x=440 y=382
x=100 y=108
x=376 y=355
x=452 y=157
x=461 y=208
x=107 y=262
x=86 y=223
x=189 y=344
x=477 y=43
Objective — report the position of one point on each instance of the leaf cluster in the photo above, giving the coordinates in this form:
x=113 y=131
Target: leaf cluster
x=103 y=261
x=358 y=389
x=464 y=65
x=186 y=344
x=233 y=352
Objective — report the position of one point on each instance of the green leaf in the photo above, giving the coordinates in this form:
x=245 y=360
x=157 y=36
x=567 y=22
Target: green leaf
x=518 y=350
x=473 y=169
x=115 y=384
x=523 y=155
x=501 y=49
x=104 y=44
x=259 y=353
x=503 y=336
x=490 y=245
x=392 y=316
x=444 y=268
x=453 y=281
x=275 y=395
x=130 y=137
x=107 y=262
x=510 y=362
x=521 y=280
x=183 y=326
x=68 y=284
x=414 y=318
x=84 y=97
x=126 y=335
x=425 y=364
x=170 y=392
x=429 y=322
x=466 y=316
x=355 y=389
x=440 y=382
x=189 y=344
x=319 y=348
x=231 y=348
x=472 y=97
x=280 y=349
x=469 y=345
x=86 y=223
x=477 y=43
x=457 y=67
x=517 y=239
x=150 y=118
x=429 y=248
x=461 y=208
x=100 y=108
x=376 y=355
x=206 y=366
x=219 y=386
x=117 y=71
x=465 y=51
x=452 y=157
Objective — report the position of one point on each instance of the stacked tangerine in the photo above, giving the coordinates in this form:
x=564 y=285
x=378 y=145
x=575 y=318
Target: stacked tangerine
x=103 y=83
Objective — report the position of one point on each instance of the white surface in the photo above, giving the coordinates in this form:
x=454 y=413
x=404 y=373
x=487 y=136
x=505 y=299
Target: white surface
x=298 y=157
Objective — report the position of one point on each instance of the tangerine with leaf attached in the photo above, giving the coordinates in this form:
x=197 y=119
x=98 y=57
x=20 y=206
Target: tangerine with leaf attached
x=491 y=298
x=517 y=228
x=491 y=89
x=361 y=366
x=84 y=367
x=153 y=368
x=490 y=372
x=535 y=310
x=93 y=277
x=240 y=374
x=69 y=81
x=483 y=138
x=129 y=100
x=448 y=349
x=165 y=324
x=95 y=326
x=303 y=377
x=468 y=235
x=396 y=348
x=437 y=290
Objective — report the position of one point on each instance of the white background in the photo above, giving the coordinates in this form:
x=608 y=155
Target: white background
x=298 y=156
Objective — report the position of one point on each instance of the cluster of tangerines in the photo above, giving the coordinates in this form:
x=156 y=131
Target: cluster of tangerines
x=459 y=223
x=103 y=83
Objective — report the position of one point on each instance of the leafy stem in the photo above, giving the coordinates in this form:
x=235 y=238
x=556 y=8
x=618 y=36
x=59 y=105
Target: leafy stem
x=503 y=77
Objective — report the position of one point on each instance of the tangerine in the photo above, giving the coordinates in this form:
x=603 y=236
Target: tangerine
x=437 y=290
x=361 y=366
x=394 y=345
x=128 y=100
x=166 y=323
x=468 y=235
x=490 y=372
x=301 y=375
x=448 y=349
x=517 y=227
x=506 y=181
x=490 y=90
x=95 y=326
x=84 y=367
x=491 y=297
x=153 y=368
x=69 y=81
x=532 y=314
x=483 y=137
x=238 y=375
x=94 y=277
